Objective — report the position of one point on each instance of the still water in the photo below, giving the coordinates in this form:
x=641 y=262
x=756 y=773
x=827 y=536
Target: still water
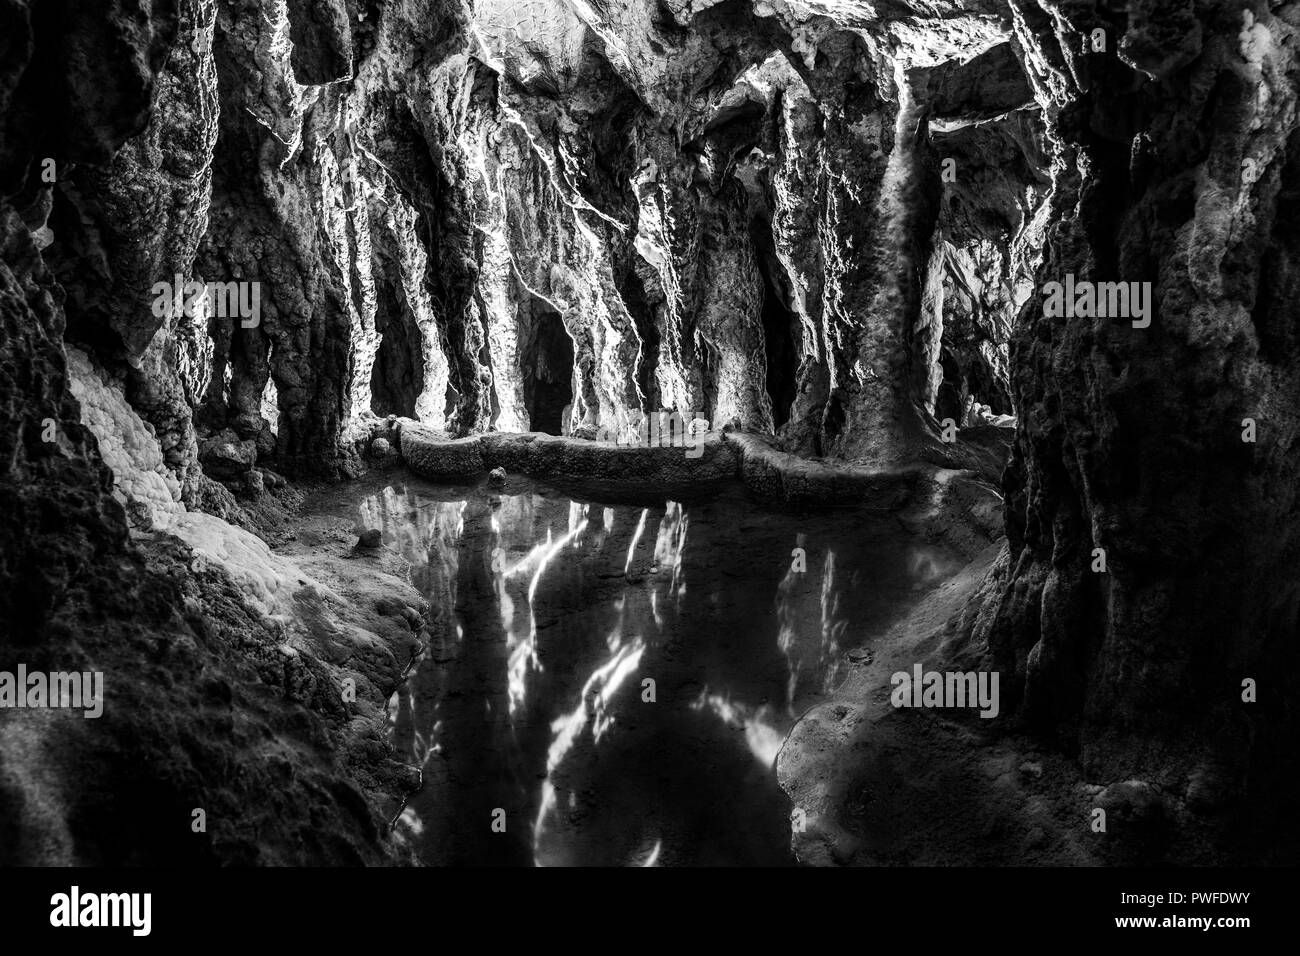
x=610 y=682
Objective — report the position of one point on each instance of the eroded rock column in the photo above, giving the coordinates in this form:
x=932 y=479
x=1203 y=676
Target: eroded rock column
x=1175 y=164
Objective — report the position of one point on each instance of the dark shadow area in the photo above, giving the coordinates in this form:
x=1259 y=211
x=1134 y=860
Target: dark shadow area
x=632 y=290
x=778 y=338
x=398 y=375
x=548 y=374
x=948 y=401
x=780 y=324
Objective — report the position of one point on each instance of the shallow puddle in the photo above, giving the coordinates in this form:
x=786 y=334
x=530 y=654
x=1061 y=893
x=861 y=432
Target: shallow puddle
x=611 y=683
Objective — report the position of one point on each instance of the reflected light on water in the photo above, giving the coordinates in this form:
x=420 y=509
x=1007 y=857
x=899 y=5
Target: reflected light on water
x=545 y=714
x=833 y=624
x=636 y=538
x=592 y=709
x=761 y=736
x=670 y=545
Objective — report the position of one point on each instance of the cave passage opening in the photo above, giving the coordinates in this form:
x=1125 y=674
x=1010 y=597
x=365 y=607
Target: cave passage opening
x=548 y=377
x=949 y=400
x=632 y=290
x=979 y=307
x=779 y=325
x=397 y=378
x=782 y=361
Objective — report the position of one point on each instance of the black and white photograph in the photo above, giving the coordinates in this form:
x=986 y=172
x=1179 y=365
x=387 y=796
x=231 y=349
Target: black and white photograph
x=470 y=435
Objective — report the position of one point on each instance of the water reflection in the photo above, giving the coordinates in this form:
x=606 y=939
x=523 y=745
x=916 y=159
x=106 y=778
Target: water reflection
x=618 y=679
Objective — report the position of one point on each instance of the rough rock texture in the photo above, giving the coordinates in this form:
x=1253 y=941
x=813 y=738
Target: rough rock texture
x=823 y=226
x=988 y=239
x=121 y=227
x=141 y=480
x=542 y=217
x=1174 y=163
x=515 y=217
x=197 y=678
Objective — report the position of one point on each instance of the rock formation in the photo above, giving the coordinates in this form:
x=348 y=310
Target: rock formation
x=244 y=239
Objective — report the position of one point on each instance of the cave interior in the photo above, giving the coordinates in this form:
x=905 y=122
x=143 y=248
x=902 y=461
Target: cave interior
x=380 y=516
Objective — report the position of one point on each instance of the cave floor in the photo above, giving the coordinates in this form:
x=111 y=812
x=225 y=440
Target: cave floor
x=882 y=785
x=610 y=683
